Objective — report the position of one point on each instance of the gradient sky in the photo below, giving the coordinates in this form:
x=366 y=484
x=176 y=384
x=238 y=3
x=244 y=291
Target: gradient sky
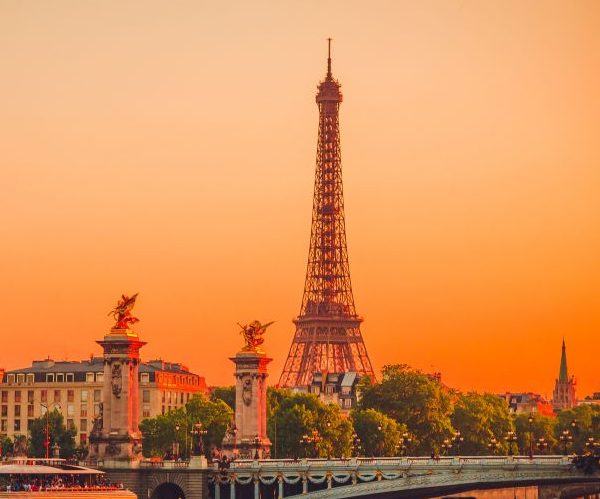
x=168 y=148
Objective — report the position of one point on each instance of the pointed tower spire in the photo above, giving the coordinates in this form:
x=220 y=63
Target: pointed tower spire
x=563 y=375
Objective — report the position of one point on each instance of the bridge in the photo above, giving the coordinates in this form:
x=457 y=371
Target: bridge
x=385 y=478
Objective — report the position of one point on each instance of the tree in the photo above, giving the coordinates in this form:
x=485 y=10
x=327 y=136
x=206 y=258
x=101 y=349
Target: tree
x=6 y=446
x=542 y=427
x=379 y=434
x=412 y=398
x=480 y=418
x=160 y=433
x=587 y=422
x=224 y=393
x=302 y=426
x=58 y=434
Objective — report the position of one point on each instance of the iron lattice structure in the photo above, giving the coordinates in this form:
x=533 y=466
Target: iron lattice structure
x=328 y=337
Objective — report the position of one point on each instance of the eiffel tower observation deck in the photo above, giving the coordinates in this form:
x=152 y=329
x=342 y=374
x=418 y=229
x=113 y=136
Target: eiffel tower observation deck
x=327 y=337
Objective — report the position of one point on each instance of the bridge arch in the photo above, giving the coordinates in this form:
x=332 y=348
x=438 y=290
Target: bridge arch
x=168 y=490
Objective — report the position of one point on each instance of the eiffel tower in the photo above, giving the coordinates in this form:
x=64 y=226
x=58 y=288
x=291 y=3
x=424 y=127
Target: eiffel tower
x=328 y=337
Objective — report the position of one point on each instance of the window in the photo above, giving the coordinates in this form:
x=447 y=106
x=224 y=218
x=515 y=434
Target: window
x=70 y=395
x=44 y=395
x=83 y=439
x=29 y=424
x=329 y=389
x=97 y=395
x=17 y=411
x=89 y=377
x=60 y=378
x=4 y=411
x=29 y=411
x=43 y=409
x=163 y=410
x=30 y=379
x=347 y=403
x=146 y=396
x=84 y=395
x=96 y=409
x=4 y=397
x=10 y=379
x=30 y=396
x=83 y=425
x=163 y=397
x=70 y=410
x=56 y=395
x=145 y=378
x=146 y=411
x=20 y=379
x=3 y=425
x=70 y=424
x=17 y=425
x=17 y=396
x=99 y=377
x=181 y=398
x=49 y=378
x=69 y=377
x=83 y=412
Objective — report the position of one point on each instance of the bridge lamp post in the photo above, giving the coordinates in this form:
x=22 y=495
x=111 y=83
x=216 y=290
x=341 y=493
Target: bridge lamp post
x=405 y=443
x=541 y=444
x=446 y=446
x=589 y=445
x=493 y=445
x=458 y=440
x=355 y=445
x=199 y=431
x=565 y=439
x=530 y=421
x=511 y=438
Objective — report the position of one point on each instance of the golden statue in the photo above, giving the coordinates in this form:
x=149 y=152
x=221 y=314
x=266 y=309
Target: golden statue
x=122 y=312
x=253 y=335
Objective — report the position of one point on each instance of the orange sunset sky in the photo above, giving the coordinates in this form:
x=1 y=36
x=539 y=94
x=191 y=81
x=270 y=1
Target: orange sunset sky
x=168 y=148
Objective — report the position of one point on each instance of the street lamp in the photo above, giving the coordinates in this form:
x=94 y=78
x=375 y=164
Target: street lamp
x=457 y=440
x=541 y=444
x=405 y=441
x=446 y=446
x=355 y=445
x=511 y=438
x=199 y=431
x=565 y=439
x=493 y=445
x=47 y=441
x=590 y=444
x=530 y=421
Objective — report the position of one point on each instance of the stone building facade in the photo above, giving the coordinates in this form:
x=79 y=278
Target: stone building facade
x=75 y=389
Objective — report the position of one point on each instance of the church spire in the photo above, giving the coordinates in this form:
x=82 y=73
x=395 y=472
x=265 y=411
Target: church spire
x=563 y=375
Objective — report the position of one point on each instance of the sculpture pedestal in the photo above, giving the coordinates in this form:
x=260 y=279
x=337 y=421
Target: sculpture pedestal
x=116 y=438
x=249 y=440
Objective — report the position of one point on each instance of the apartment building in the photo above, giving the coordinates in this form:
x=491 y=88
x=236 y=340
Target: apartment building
x=75 y=389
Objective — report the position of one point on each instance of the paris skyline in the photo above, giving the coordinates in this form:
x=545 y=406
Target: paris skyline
x=171 y=152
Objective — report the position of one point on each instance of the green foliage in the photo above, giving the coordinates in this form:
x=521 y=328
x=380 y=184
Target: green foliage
x=587 y=424
x=541 y=427
x=162 y=432
x=379 y=434
x=58 y=433
x=479 y=418
x=412 y=398
x=224 y=393
x=6 y=446
x=295 y=415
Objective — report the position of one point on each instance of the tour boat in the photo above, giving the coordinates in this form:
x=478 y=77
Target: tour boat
x=55 y=479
